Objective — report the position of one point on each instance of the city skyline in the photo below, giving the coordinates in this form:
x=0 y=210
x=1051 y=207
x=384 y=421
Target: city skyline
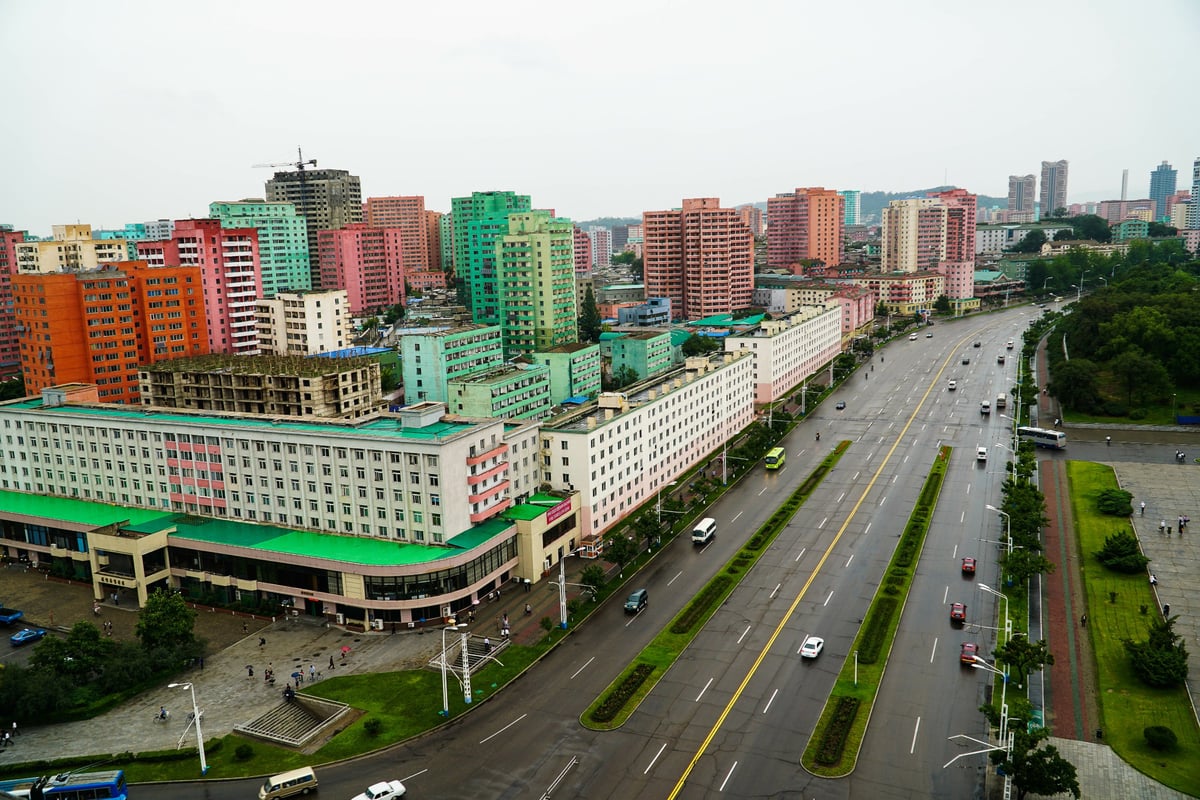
x=204 y=97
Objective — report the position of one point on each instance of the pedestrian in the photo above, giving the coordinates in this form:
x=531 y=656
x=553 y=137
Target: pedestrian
x=312 y=672
x=505 y=625
x=1083 y=621
x=262 y=642
x=1162 y=525
x=1108 y=441
x=15 y=732
x=201 y=663
x=331 y=662
x=1181 y=523
x=487 y=645
x=249 y=671
x=1143 y=508
x=246 y=628
x=1153 y=580
x=1168 y=530
x=96 y=609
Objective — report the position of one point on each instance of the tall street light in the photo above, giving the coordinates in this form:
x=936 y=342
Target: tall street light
x=1007 y=620
x=196 y=719
x=1008 y=525
x=445 y=690
x=981 y=664
x=1014 y=460
x=658 y=505
x=1101 y=277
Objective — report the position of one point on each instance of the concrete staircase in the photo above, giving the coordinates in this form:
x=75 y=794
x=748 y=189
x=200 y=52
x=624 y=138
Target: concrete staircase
x=476 y=652
x=295 y=723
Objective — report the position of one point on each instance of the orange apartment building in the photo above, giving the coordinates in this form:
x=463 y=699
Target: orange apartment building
x=420 y=236
x=100 y=326
x=805 y=225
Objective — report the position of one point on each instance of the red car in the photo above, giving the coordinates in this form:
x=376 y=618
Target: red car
x=968 y=566
x=958 y=612
x=968 y=652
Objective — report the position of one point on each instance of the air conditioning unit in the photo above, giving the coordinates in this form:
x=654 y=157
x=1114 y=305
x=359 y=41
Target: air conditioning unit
x=341 y=618
x=377 y=624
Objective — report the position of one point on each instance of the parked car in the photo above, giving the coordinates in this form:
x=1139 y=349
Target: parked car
x=637 y=601
x=967 y=652
x=384 y=790
x=812 y=647
x=968 y=566
x=958 y=612
x=26 y=636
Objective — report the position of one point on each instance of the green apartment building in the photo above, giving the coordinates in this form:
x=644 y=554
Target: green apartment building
x=518 y=391
x=647 y=353
x=536 y=283
x=430 y=361
x=282 y=241
x=477 y=221
x=574 y=370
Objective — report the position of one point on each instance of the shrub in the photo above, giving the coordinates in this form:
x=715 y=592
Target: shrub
x=1160 y=737
x=373 y=726
x=243 y=752
x=834 y=740
x=1115 y=409
x=875 y=630
x=1160 y=661
x=1121 y=554
x=1137 y=413
x=615 y=701
x=700 y=604
x=1115 y=502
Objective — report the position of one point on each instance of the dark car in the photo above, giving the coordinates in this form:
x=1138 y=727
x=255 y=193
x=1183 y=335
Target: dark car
x=967 y=652
x=26 y=636
x=958 y=612
x=968 y=566
x=637 y=601
x=841 y=405
x=978 y=344
x=966 y=359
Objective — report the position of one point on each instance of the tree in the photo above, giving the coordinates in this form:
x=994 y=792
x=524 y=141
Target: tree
x=1074 y=384
x=12 y=389
x=1041 y=771
x=1115 y=502
x=1024 y=656
x=627 y=257
x=942 y=304
x=1143 y=376
x=166 y=624
x=1021 y=565
x=620 y=550
x=621 y=377
x=648 y=526
x=1031 y=243
x=1162 y=660
x=881 y=309
x=593 y=576
x=395 y=313
x=697 y=345
x=1091 y=226
x=1161 y=229
x=1121 y=553
x=589 y=318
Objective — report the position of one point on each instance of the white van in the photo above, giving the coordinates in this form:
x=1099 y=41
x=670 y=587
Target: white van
x=704 y=531
x=981 y=454
x=286 y=784
x=1001 y=400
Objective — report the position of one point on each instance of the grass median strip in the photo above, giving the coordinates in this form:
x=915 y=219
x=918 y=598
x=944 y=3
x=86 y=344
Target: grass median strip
x=627 y=690
x=832 y=752
x=1115 y=603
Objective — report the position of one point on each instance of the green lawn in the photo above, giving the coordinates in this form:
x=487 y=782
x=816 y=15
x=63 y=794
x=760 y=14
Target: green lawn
x=1127 y=706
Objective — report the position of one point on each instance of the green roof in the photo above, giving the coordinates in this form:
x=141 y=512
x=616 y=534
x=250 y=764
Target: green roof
x=538 y=505
x=81 y=512
x=678 y=337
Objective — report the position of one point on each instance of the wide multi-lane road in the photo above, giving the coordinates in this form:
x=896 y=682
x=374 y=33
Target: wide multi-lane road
x=733 y=716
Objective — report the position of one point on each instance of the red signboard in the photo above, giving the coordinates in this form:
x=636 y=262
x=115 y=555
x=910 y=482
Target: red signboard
x=558 y=511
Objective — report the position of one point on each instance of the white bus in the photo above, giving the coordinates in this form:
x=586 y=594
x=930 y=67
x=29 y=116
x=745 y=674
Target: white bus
x=1055 y=440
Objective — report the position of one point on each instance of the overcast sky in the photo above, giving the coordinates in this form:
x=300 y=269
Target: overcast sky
x=122 y=112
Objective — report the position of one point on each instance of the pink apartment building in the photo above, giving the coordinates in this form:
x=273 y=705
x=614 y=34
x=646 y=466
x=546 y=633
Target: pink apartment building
x=420 y=238
x=583 y=251
x=231 y=277
x=10 y=349
x=367 y=262
x=701 y=257
x=805 y=225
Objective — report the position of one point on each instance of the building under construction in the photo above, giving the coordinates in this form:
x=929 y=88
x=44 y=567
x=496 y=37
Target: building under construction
x=284 y=386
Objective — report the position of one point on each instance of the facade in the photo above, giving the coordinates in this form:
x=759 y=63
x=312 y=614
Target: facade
x=1021 y=198
x=282 y=241
x=304 y=323
x=700 y=257
x=366 y=262
x=852 y=205
x=913 y=235
x=277 y=386
x=995 y=239
x=1193 y=214
x=477 y=221
x=517 y=391
x=229 y=275
x=326 y=198
x=1128 y=229
x=574 y=370
x=395 y=517
x=1162 y=186
x=906 y=292
x=655 y=312
x=960 y=224
x=752 y=218
x=430 y=361
x=646 y=353
x=655 y=431
x=72 y=248
x=583 y=253
x=421 y=256
x=536 y=283
x=786 y=351
x=805 y=225
x=620 y=238
x=602 y=246
x=1054 y=187
x=10 y=344
x=1114 y=211
x=98 y=326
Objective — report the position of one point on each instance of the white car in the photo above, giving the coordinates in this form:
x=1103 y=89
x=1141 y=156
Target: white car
x=812 y=647
x=384 y=790
x=952 y=385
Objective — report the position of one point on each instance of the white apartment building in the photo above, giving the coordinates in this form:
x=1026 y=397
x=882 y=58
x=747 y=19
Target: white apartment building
x=304 y=323
x=72 y=250
x=786 y=351
x=618 y=452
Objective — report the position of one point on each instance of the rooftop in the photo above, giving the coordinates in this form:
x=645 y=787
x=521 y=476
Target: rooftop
x=261 y=365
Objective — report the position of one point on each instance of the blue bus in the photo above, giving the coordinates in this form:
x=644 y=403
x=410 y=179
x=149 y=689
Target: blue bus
x=109 y=785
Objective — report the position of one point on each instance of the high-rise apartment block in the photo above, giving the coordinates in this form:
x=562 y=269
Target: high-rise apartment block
x=99 y=326
x=10 y=348
x=282 y=241
x=365 y=261
x=853 y=206
x=700 y=256
x=1054 y=187
x=1021 y=198
x=1193 y=213
x=429 y=361
x=583 y=251
x=71 y=249
x=477 y=222
x=420 y=236
x=536 y=283
x=304 y=323
x=752 y=218
x=230 y=279
x=1162 y=186
x=602 y=247
x=913 y=235
x=805 y=225
x=960 y=223
x=326 y=198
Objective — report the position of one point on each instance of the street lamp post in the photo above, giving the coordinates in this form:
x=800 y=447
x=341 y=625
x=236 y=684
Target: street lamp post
x=445 y=689
x=196 y=719
x=1101 y=277
x=1007 y=620
x=658 y=505
x=1008 y=525
x=1014 y=461
x=1046 y=282
x=1174 y=397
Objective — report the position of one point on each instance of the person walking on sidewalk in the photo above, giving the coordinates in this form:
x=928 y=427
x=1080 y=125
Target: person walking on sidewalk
x=1143 y=508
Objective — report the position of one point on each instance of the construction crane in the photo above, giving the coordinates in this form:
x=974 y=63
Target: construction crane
x=299 y=165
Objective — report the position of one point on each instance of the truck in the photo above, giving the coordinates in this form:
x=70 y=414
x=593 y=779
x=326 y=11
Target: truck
x=10 y=615
x=1001 y=400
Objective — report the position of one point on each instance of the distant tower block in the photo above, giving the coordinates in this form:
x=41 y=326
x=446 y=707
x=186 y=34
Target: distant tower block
x=1124 y=185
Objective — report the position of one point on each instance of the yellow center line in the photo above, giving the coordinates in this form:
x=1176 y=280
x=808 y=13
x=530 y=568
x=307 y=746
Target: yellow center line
x=807 y=584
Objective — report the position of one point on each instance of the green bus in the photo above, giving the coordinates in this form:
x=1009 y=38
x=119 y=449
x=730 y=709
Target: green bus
x=775 y=458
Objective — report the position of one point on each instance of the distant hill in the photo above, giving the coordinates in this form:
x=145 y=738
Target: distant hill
x=871 y=204
x=608 y=222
